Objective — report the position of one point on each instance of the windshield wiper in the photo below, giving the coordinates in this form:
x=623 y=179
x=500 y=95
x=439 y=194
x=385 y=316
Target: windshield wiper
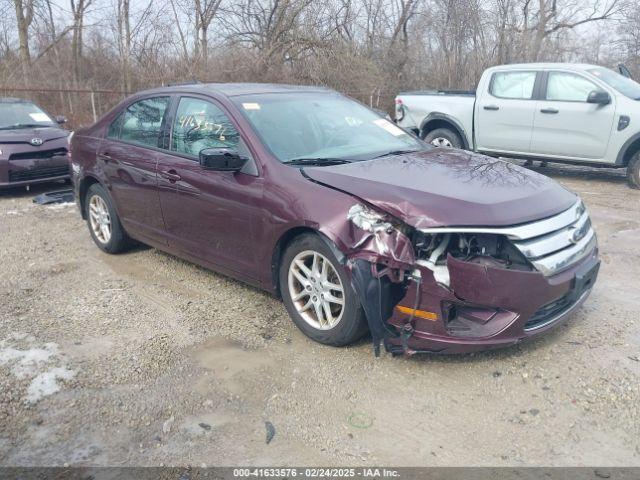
x=395 y=152
x=22 y=125
x=317 y=161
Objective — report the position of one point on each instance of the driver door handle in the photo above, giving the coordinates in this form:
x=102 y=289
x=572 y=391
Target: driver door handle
x=170 y=175
x=549 y=110
x=491 y=107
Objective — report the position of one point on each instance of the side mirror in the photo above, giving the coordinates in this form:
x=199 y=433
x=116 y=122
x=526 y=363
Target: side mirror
x=60 y=119
x=599 y=96
x=221 y=159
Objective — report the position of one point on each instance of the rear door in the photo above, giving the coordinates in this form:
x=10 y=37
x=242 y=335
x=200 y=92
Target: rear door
x=209 y=214
x=128 y=155
x=505 y=111
x=565 y=125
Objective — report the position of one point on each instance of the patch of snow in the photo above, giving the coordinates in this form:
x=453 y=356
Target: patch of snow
x=46 y=383
x=60 y=206
x=26 y=362
x=37 y=364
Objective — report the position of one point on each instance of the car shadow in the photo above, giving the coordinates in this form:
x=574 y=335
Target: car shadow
x=577 y=172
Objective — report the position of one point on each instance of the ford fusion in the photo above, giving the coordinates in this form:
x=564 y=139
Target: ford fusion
x=357 y=225
x=33 y=147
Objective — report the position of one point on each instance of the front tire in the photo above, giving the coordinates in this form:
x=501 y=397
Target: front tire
x=633 y=171
x=443 y=137
x=318 y=295
x=103 y=222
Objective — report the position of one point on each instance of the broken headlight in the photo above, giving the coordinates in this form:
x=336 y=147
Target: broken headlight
x=369 y=220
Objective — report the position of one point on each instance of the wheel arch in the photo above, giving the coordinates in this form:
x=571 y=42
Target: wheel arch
x=85 y=183
x=285 y=239
x=442 y=120
x=628 y=150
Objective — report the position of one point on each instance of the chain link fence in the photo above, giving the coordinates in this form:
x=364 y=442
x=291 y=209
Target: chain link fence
x=83 y=107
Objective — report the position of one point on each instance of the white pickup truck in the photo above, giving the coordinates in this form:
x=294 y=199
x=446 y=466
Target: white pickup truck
x=556 y=112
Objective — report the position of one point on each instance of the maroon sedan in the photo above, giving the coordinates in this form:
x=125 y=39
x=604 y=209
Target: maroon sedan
x=355 y=223
x=33 y=147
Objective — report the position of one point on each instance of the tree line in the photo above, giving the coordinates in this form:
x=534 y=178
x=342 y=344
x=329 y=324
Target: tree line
x=370 y=49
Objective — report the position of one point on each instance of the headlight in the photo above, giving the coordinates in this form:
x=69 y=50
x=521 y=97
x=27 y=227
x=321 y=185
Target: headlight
x=368 y=220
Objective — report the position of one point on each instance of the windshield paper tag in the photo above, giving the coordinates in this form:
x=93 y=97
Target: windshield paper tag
x=39 y=117
x=389 y=127
x=251 y=106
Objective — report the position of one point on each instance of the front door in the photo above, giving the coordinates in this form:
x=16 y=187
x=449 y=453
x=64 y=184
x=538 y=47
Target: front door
x=208 y=214
x=128 y=155
x=566 y=125
x=504 y=114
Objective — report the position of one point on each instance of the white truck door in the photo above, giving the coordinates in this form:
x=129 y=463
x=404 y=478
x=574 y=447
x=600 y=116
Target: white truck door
x=504 y=112
x=565 y=125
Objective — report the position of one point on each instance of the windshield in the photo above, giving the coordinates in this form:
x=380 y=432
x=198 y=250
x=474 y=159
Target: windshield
x=322 y=126
x=624 y=85
x=23 y=115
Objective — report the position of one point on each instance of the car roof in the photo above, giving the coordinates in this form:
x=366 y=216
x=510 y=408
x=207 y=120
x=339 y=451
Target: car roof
x=546 y=66
x=235 y=89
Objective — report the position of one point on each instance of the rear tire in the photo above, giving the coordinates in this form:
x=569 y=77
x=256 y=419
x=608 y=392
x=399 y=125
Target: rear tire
x=633 y=171
x=344 y=323
x=103 y=222
x=443 y=137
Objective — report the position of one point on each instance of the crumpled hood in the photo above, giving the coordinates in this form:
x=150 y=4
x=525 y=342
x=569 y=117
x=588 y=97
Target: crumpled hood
x=443 y=187
x=24 y=135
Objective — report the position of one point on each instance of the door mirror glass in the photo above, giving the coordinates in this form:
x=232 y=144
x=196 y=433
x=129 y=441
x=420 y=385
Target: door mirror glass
x=599 y=96
x=60 y=119
x=221 y=159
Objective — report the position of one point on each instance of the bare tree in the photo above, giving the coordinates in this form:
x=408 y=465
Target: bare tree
x=205 y=12
x=24 y=17
x=78 y=10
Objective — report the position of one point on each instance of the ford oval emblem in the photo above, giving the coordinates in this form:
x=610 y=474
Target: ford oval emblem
x=36 y=142
x=577 y=234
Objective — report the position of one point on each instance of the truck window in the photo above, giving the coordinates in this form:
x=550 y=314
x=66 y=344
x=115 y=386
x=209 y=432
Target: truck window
x=568 y=87
x=514 y=85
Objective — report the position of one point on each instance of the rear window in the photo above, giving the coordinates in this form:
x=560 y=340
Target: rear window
x=513 y=85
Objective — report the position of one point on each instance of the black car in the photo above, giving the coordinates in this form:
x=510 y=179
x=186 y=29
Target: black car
x=33 y=146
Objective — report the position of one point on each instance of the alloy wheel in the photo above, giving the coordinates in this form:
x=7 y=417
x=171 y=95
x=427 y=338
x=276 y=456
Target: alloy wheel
x=99 y=219
x=316 y=290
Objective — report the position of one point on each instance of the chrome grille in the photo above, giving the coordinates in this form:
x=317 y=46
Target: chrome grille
x=556 y=243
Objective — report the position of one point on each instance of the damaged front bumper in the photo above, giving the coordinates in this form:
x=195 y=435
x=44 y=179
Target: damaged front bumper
x=487 y=307
x=462 y=290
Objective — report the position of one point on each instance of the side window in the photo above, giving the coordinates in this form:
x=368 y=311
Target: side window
x=114 y=128
x=568 y=87
x=141 y=122
x=514 y=85
x=200 y=124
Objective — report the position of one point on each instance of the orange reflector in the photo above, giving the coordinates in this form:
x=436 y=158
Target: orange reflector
x=417 y=313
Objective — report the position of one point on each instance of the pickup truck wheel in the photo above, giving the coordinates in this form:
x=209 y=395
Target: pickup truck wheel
x=633 y=171
x=104 y=224
x=318 y=295
x=443 y=137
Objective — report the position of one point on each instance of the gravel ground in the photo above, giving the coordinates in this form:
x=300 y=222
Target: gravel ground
x=144 y=359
